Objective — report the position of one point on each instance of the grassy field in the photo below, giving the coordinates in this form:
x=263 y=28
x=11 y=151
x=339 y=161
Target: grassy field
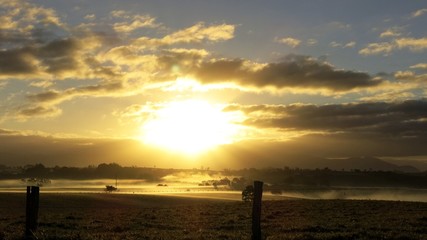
x=127 y=216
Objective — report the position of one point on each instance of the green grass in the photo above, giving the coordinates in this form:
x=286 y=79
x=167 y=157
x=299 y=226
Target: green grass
x=120 y=216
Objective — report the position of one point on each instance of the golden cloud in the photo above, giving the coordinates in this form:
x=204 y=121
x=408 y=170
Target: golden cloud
x=404 y=74
x=419 y=65
x=292 y=42
x=385 y=48
x=194 y=34
x=419 y=12
x=413 y=44
x=137 y=22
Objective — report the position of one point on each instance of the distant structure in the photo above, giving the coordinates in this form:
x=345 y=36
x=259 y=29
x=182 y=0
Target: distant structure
x=111 y=188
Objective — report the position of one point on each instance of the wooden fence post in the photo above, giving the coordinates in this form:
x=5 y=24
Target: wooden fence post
x=256 y=211
x=32 y=211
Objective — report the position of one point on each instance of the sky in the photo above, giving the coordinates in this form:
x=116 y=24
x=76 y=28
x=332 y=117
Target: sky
x=227 y=83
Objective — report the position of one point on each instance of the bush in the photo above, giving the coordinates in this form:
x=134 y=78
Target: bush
x=248 y=193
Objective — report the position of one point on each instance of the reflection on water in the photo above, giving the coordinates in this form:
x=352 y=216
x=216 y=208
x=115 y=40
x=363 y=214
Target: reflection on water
x=393 y=194
x=126 y=185
x=192 y=189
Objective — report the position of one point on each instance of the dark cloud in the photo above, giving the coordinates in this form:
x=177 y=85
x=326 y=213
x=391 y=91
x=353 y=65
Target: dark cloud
x=40 y=111
x=9 y=37
x=59 y=48
x=222 y=71
x=44 y=104
x=293 y=72
x=54 y=57
x=59 y=58
x=301 y=152
x=107 y=87
x=172 y=64
x=45 y=96
x=17 y=62
x=401 y=119
x=59 y=55
x=297 y=72
x=53 y=96
x=97 y=69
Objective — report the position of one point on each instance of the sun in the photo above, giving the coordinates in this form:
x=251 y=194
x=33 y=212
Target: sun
x=191 y=127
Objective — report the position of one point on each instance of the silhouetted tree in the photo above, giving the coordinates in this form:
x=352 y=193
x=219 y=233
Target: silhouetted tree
x=248 y=193
x=36 y=171
x=238 y=183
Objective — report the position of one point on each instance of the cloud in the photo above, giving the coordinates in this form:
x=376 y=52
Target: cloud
x=382 y=119
x=17 y=62
x=194 y=34
x=37 y=46
x=5 y=132
x=127 y=66
x=351 y=44
x=119 y=67
x=7 y=20
x=180 y=58
x=136 y=22
x=299 y=72
x=129 y=72
x=291 y=42
x=55 y=97
x=385 y=48
x=419 y=66
x=3 y=84
x=59 y=59
x=401 y=75
x=413 y=44
x=419 y=13
x=25 y=16
x=44 y=104
x=90 y=17
x=120 y=14
x=38 y=111
x=401 y=89
x=395 y=31
x=339 y=25
x=138 y=113
x=419 y=80
x=41 y=84
x=390 y=96
x=312 y=42
x=52 y=150
x=303 y=151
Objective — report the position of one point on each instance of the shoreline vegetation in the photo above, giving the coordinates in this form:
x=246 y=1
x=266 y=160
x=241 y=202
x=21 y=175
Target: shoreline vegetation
x=276 y=178
x=132 y=216
x=280 y=183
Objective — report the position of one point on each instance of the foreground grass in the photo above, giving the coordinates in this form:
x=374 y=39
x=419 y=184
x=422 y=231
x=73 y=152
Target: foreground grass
x=116 y=216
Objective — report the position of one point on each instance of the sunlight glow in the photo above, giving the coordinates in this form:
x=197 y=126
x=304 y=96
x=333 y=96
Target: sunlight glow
x=190 y=127
x=182 y=84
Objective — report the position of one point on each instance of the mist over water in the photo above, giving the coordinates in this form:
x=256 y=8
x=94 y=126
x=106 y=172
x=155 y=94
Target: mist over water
x=188 y=187
x=391 y=194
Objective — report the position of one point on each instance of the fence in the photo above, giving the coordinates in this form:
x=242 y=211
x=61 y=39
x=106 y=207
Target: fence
x=32 y=211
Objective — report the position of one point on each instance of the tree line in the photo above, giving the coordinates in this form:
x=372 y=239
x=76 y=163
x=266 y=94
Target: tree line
x=275 y=178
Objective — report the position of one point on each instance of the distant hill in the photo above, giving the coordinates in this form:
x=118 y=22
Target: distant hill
x=361 y=163
x=369 y=163
x=421 y=165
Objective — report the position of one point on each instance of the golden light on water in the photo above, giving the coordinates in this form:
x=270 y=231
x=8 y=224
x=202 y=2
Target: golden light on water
x=190 y=127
